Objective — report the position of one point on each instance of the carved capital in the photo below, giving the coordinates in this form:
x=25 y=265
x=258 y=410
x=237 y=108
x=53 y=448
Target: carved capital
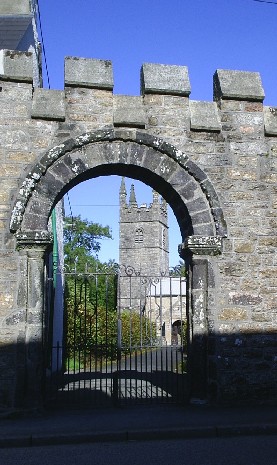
x=201 y=245
x=34 y=240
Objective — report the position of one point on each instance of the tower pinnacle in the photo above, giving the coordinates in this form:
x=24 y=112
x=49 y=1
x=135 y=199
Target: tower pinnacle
x=133 y=200
x=122 y=191
x=155 y=197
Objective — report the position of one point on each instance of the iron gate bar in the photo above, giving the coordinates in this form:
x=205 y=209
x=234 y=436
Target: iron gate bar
x=98 y=371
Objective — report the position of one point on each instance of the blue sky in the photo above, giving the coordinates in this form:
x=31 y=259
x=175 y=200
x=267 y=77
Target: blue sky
x=204 y=35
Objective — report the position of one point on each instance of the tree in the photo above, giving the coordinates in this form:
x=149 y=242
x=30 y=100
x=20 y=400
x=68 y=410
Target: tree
x=91 y=298
x=90 y=286
x=81 y=243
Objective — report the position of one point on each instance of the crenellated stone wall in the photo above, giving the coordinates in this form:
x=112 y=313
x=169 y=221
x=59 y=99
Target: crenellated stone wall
x=215 y=163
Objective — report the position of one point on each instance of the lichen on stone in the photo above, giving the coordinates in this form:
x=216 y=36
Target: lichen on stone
x=54 y=153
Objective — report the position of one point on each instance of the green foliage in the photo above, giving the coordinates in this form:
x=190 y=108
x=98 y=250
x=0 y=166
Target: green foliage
x=91 y=334
x=92 y=329
x=92 y=319
x=178 y=270
x=137 y=330
x=90 y=289
x=183 y=331
x=182 y=366
x=90 y=316
x=81 y=243
x=91 y=300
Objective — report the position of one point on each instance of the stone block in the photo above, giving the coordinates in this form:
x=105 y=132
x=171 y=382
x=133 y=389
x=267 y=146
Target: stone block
x=204 y=116
x=84 y=72
x=129 y=111
x=238 y=85
x=48 y=104
x=253 y=107
x=15 y=318
x=18 y=7
x=245 y=299
x=233 y=313
x=270 y=120
x=165 y=79
x=244 y=246
x=16 y=66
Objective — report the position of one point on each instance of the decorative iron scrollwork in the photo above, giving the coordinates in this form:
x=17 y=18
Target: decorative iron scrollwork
x=152 y=281
x=129 y=270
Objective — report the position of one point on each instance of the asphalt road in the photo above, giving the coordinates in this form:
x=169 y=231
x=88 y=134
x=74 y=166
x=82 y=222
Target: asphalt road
x=143 y=375
x=248 y=450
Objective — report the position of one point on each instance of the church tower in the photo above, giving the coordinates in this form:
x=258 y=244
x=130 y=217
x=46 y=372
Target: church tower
x=143 y=234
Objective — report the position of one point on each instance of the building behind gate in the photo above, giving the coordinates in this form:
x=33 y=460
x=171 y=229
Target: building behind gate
x=144 y=264
x=213 y=162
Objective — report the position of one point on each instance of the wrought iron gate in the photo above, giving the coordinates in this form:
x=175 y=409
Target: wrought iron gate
x=121 y=338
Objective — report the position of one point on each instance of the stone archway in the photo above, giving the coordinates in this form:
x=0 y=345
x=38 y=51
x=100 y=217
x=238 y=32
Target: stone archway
x=170 y=172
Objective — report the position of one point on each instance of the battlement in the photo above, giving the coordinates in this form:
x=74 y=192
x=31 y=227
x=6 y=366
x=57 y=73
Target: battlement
x=157 y=81
x=131 y=212
x=142 y=213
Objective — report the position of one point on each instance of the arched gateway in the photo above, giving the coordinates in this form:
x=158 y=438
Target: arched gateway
x=215 y=165
x=170 y=172
x=149 y=159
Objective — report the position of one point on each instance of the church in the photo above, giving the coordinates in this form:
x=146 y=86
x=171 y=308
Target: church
x=145 y=284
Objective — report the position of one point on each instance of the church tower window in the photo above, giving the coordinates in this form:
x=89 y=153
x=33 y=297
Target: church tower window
x=139 y=235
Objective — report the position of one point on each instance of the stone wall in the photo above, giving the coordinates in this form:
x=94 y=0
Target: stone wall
x=214 y=163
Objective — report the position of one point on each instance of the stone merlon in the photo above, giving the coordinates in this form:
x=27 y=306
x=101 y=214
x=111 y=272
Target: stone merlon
x=238 y=85
x=84 y=72
x=165 y=79
x=16 y=66
x=133 y=111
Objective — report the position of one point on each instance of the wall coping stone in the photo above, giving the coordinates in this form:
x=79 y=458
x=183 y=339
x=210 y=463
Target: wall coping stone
x=48 y=104
x=238 y=85
x=16 y=66
x=86 y=72
x=129 y=111
x=204 y=116
x=165 y=79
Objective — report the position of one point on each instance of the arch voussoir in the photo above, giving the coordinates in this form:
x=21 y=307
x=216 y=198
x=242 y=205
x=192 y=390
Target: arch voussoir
x=136 y=153
x=147 y=157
